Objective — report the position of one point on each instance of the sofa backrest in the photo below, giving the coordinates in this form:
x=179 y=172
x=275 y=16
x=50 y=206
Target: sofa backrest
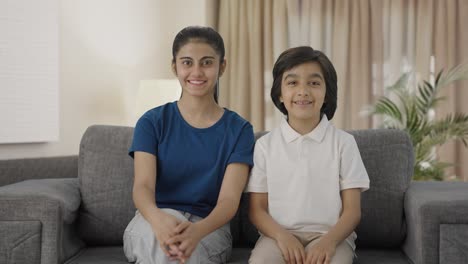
x=105 y=173
x=388 y=158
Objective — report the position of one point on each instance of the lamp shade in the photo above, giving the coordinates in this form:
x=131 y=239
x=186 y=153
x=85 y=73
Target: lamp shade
x=153 y=93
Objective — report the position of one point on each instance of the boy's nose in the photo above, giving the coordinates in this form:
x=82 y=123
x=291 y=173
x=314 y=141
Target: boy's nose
x=303 y=91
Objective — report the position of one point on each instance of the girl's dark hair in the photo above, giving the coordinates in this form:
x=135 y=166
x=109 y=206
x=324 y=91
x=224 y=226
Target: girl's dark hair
x=293 y=57
x=202 y=34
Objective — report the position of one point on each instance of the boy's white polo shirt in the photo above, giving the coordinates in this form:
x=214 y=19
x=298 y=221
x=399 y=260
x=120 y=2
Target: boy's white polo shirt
x=303 y=175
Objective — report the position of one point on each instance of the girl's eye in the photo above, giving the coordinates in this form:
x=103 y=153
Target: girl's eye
x=186 y=62
x=207 y=62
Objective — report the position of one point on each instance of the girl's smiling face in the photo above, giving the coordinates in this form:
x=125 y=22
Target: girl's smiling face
x=303 y=92
x=198 y=67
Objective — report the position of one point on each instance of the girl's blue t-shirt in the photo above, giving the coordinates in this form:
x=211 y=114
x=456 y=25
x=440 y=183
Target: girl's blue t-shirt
x=191 y=162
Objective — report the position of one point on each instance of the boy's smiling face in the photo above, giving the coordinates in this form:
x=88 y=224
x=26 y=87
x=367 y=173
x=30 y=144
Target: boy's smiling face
x=303 y=92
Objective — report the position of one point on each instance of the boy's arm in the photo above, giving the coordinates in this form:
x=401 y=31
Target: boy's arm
x=349 y=219
x=290 y=247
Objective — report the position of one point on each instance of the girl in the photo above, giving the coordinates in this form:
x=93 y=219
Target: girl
x=192 y=160
x=307 y=177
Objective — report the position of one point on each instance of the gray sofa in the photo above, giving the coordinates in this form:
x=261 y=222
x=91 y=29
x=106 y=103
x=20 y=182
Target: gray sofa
x=74 y=209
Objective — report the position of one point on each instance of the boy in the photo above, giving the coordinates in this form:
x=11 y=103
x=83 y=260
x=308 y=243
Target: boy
x=308 y=175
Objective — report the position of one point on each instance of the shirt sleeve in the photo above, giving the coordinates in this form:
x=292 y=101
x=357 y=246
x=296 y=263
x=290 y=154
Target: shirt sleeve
x=353 y=174
x=145 y=138
x=258 y=180
x=243 y=149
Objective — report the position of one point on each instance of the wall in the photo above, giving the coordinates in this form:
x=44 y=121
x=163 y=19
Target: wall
x=106 y=48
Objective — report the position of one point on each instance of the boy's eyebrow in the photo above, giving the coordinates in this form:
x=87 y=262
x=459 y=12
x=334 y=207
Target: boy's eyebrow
x=312 y=75
x=316 y=75
x=290 y=75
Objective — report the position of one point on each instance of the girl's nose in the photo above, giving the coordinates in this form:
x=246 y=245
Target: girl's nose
x=197 y=70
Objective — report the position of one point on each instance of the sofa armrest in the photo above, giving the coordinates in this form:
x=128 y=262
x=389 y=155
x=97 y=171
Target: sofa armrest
x=437 y=222
x=16 y=170
x=44 y=209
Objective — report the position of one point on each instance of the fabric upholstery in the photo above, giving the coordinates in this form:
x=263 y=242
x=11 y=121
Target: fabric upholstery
x=99 y=255
x=388 y=158
x=64 y=191
x=453 y=243
x=380 y=256
x=22 y=242
x=428 y=205
x=16 y=170
x=105 y=173
x=53 y=203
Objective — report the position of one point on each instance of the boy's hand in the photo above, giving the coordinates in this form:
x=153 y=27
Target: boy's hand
x=292 y=250
x=322 y=252
x=187 y=239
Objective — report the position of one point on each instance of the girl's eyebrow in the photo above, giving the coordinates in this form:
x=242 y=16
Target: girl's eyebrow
x=203 y=58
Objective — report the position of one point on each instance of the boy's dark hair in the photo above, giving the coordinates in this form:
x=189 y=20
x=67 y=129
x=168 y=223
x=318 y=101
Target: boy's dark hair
x=293 y=57
x=202 y=34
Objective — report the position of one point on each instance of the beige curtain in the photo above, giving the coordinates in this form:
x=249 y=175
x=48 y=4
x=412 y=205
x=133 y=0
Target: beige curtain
x=254 y=33
x=370 y=42
x=450 y=42
x=342 y=30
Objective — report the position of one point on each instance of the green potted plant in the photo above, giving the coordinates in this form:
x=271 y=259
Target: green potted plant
x=411 y=108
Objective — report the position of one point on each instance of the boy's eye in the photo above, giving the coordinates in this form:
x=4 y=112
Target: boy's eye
x=315 y=83
x=291 y=83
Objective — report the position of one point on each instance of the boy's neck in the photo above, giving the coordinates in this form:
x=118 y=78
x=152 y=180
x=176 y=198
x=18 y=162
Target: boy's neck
x=304 y=126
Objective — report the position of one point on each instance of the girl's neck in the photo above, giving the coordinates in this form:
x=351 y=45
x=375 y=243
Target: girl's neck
x=200 y=112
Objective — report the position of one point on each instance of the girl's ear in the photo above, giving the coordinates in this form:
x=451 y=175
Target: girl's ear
x=222 y=67
x=174 y=69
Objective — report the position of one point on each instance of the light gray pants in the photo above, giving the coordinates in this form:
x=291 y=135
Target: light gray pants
x=142 y=247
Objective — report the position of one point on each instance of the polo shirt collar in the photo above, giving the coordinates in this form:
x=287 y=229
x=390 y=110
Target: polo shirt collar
x=317 y=134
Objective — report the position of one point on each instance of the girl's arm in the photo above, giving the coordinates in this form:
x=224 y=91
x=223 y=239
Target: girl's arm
x=163 y=224
x=290 y=247
x=349 y=219
x=233 y=184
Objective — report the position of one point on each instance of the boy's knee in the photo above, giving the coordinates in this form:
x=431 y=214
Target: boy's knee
x=266 y=251
x=344 y=254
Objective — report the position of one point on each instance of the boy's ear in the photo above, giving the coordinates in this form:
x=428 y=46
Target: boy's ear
x=222 y=67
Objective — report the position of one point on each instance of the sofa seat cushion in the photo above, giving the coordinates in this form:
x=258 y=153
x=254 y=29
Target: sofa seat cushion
x=372 y=256
x=99 y=255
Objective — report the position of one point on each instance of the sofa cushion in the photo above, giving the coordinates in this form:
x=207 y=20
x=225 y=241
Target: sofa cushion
x=388 y=158
x=105 y=173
